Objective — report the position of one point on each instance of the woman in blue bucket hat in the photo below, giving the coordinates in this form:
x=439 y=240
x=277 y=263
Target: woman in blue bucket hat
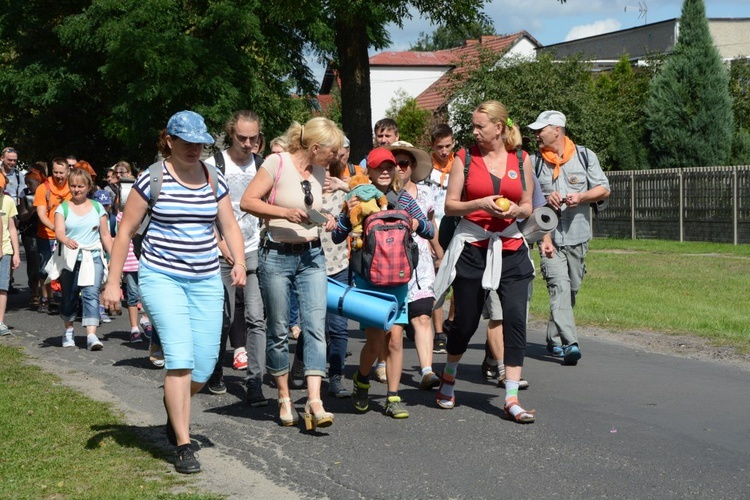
x=179 y=278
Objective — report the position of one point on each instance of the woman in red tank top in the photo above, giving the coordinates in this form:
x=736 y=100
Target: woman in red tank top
x=493 y=173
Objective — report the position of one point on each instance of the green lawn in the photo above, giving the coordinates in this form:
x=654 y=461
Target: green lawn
x=56 y=443
x=683 y=288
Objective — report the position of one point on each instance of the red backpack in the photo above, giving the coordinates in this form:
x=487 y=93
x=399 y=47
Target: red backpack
x=389 y=255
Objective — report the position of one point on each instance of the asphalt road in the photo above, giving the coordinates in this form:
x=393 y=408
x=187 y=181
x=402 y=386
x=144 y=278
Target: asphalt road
x=624 y=423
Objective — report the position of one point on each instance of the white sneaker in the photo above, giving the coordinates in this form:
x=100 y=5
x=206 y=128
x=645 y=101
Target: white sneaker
x=4 y=330
x=93 y=343
x=103 y=316
x=68 y=340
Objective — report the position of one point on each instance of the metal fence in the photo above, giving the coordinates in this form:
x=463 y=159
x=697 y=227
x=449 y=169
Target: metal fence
x=690 y=204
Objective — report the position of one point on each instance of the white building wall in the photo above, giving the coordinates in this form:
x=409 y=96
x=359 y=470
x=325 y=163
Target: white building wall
x=386 y=81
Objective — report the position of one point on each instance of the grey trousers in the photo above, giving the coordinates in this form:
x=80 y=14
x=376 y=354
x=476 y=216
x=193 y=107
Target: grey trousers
x=563 y=274
x=255 y=323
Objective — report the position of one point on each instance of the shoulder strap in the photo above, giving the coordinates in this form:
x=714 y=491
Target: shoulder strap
x=213 y=177
x=583 y=157
x=352 y=170
x=393 y=197
x=98 y=207
x=538 y=163
x=219 y=161
x=156 y=178
x=519 y=154
x=467 y=162
x=65 y=209
x=272 y=197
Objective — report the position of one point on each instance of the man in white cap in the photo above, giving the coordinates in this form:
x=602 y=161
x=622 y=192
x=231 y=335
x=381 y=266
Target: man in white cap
x=571 y=179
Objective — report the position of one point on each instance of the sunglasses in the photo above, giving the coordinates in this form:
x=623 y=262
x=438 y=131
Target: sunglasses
x=308 y=193
x=403 y=164
x=9 y=150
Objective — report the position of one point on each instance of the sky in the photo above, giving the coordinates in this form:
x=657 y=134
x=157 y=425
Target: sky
x=551 y=22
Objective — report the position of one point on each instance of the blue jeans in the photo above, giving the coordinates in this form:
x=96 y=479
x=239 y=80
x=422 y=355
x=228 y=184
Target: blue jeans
x=305 y=273
x=45 y=248
x=89 y=295
x=5 y=263
x=187 y=314
x=132 y=292
x=337 y=329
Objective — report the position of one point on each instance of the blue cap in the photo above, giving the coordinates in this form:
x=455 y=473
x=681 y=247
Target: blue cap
x=190 y=127
x=103 y=197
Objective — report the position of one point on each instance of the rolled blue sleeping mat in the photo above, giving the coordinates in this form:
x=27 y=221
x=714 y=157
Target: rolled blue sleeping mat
x=370 y=308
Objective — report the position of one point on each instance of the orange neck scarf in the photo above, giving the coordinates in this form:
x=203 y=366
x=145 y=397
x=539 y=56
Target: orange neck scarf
x=569 y=150
x=444 y=171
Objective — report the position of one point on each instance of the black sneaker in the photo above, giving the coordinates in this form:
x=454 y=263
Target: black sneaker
x=171 y=436
x=217 y=386
x=441 y=340
x=185 y=461
x=488 y=371
x=297 y=378
x=255 y=397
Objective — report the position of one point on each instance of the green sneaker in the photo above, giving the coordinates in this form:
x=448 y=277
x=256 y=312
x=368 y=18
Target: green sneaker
x=394 y=408
x=360 y=395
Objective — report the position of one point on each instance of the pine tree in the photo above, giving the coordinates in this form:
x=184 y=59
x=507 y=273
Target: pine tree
x=688 y=113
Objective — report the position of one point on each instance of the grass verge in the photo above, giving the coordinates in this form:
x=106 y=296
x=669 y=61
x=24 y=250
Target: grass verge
x=682 y=288
x=56 y=443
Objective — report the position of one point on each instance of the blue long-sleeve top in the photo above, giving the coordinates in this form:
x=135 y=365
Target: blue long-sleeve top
x=425 y=229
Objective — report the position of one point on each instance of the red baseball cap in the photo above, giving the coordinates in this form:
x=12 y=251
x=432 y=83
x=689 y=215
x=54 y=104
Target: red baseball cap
x=379 y=155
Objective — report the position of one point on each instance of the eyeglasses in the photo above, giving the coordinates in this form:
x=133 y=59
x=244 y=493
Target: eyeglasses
x=9 y=150
x=403 y=164
x=308 y=193
x=121 y=172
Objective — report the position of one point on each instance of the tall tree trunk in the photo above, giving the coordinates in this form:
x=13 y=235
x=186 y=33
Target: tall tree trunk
x=354 y=71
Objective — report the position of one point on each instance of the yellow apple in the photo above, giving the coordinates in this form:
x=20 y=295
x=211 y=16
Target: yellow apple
x=503 y=204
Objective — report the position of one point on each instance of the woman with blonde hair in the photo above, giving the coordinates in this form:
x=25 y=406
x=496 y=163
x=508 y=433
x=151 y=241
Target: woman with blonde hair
x=287 y=192
x=488 y=251
x=82 y=228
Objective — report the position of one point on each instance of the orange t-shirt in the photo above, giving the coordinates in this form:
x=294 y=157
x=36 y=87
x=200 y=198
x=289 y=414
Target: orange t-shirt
x=56 y=196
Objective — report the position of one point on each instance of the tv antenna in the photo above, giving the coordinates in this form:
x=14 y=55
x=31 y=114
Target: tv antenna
x=642 y=9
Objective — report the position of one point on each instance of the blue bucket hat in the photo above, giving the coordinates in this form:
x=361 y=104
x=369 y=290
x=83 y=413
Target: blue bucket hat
x=190 y=127
x=103 y=197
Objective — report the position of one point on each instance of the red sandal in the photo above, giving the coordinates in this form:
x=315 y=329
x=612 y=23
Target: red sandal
x=445 y=402
x=524 y=417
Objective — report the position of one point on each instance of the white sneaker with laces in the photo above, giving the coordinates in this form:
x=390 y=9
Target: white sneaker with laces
x=68 y=340
x=93 y=343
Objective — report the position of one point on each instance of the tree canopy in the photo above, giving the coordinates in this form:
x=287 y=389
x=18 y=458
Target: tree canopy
x=688 y=114
x=100 y=78
x=452 y=35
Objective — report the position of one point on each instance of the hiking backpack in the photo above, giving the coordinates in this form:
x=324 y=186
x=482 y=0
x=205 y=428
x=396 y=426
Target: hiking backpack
x=389 y=255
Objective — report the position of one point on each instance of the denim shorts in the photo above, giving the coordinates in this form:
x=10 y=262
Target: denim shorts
x=5 y=262
x=187 y=314
x=132 y=292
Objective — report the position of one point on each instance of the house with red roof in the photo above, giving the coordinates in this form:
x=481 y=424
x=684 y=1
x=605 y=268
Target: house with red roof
x=430 y=76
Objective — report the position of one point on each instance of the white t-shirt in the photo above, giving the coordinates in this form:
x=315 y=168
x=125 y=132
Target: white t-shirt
x=238 y=177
